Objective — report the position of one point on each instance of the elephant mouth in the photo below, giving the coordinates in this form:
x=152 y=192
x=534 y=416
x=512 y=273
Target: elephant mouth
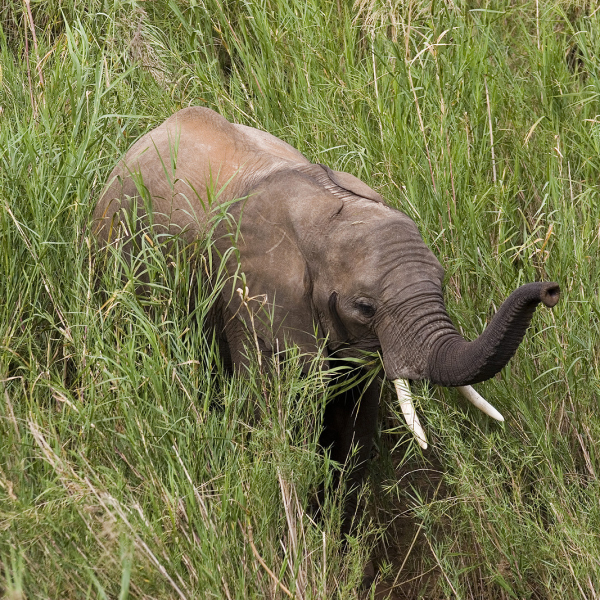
x=410 y=414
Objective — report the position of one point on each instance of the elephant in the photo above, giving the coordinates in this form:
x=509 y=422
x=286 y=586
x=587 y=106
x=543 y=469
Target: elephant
x=339 y=271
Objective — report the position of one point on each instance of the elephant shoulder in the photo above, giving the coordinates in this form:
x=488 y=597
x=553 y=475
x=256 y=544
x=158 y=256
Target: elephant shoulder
x=270 y=146
x=194 y=122
x=247 y=140
x=197 y=115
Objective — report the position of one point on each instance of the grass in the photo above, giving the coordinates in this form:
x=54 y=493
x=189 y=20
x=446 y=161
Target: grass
x=131 y=466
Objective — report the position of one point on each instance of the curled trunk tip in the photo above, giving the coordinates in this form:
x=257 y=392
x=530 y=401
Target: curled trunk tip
x=550 y=294
x=456 y=362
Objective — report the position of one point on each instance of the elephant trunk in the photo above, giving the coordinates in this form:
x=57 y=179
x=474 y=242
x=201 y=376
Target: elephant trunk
x=455 y=362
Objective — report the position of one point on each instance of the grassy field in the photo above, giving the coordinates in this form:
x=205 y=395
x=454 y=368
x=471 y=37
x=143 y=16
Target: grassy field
x=131 y=466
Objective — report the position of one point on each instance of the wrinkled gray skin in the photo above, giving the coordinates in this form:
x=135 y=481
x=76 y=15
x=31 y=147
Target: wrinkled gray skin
x=325 y=249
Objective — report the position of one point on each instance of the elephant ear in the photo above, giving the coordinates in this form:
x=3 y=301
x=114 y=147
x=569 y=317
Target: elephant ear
x=269 y=230
x=352 y=184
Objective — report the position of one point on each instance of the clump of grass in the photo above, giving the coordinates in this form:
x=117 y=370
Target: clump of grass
x=132 y=465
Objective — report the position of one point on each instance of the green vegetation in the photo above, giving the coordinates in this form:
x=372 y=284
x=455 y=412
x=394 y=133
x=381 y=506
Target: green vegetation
x=131 y=466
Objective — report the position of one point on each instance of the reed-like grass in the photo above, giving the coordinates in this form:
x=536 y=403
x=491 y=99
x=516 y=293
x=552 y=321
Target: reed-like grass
x=131 y=465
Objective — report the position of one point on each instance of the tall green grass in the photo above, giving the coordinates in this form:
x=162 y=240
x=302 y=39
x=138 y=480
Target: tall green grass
x=132 y=466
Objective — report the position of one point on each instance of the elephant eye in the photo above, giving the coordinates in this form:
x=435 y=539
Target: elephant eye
x=366 y=309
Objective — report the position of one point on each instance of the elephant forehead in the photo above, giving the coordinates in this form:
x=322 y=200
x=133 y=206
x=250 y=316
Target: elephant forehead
x=394 y=274
x=382 y=257
x=389 y=236
x=368 y=220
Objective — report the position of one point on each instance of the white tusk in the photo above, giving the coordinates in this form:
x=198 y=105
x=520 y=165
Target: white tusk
x=408 y=410
x=472 y=396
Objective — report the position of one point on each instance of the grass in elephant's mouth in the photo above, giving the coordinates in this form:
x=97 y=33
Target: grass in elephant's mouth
x=131 y=466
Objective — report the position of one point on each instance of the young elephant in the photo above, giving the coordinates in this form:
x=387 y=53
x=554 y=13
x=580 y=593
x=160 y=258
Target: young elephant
x=332 y=262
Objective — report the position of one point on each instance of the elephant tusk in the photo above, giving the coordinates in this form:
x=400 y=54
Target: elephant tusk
x=472 y=396
x=408 y=410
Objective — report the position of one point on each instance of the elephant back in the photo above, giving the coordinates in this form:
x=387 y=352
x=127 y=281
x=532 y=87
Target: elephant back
x=178 y=171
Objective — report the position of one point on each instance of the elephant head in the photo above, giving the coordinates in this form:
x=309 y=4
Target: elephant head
x=322 y=255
